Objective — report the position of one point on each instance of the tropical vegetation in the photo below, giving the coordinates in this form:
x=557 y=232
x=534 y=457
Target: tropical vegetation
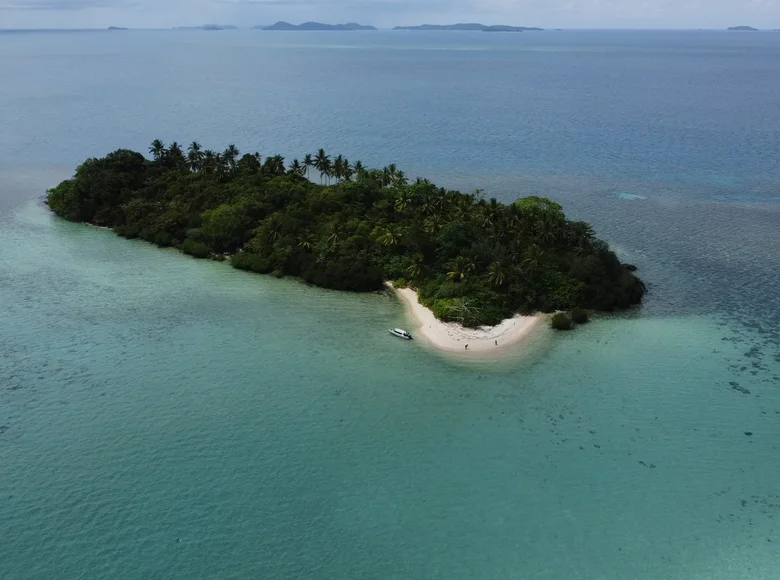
x=472 y=260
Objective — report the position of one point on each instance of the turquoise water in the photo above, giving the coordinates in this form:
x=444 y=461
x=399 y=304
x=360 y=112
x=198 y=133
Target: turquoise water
x=162 y=417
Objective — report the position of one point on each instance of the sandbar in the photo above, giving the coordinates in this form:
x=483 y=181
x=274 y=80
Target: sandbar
x=452 y=337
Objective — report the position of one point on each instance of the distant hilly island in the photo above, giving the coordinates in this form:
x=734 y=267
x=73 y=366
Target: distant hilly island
x=314 y=26
x=469 y=26
x=354 y=26
x=743 y=28
x=208 y=27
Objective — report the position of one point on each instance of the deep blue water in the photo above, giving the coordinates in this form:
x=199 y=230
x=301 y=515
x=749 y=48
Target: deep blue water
x=161 y=417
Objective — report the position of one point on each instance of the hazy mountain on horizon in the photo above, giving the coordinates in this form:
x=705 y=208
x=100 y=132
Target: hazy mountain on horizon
x=281 y=25
x=469 y=26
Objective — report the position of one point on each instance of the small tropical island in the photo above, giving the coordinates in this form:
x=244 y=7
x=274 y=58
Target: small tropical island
x=314 y=26
x=468 y=260
x=743 y=28
x=470 y=27
x=116 y=28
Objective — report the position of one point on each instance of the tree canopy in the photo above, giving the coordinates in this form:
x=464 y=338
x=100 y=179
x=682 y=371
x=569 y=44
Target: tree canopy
x=472 y=260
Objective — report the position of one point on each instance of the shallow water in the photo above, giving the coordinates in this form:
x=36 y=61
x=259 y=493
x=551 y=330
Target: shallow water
x=167 y=417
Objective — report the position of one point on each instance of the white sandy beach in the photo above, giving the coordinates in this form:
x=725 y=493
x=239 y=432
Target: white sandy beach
x=452 y=337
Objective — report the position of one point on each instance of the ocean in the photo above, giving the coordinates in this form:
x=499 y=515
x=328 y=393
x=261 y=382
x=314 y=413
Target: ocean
x=162 y=417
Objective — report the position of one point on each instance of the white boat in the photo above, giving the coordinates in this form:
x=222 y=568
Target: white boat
x=400 y=333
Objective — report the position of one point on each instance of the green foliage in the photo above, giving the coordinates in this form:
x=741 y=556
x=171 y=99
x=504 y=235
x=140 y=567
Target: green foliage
x=561 y=321
x=579 y=315
x=195 y=249
x=474 y=261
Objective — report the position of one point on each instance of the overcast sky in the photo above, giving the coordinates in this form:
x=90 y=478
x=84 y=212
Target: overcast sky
x=386 y=13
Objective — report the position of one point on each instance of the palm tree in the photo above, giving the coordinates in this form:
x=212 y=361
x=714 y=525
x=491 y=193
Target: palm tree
x=274 y=165
x=305 y=242
x=532 y=257
x=230 y=155
x=157 y=149
x=338 y=167
x=209 y=161
x=358 y=169
x=322 y=163
x=308 y=162
x=386 y=177
x=400 y=179
x=492 y=213
x=459 y=268
x=389 y=237
x=403 y=201
x=392 y=169
x=418 y=268
x=432 y=224
x=496 y=274
x=176 y=155
x=327 y=168
x=346 y=170
x=195 y=156
x=296 y=168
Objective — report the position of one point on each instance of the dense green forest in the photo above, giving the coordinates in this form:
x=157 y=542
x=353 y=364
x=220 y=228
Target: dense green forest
x=473 y=260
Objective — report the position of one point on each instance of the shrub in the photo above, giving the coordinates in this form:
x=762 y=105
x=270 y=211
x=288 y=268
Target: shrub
x=195 y=249
x=277 y=274
x=164 y=240
x=400 y=283
x=579 y=315
x=561 y=321
x=130 y=232
x=250 y=263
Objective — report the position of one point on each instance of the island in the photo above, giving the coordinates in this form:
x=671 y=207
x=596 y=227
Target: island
x=314 y=26
x=744 y=28
x=338 y=224
x=208 y=27
x=116 y=28
x=470 y=26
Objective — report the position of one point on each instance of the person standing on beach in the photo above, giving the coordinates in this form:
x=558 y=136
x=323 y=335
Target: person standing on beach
x=467 y=347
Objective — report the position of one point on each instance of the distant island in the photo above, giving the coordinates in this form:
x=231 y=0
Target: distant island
x=116 y=28
x=749 y=28
x=314 y=26
x=208 y=27
x=471 y=260
x=469 y=27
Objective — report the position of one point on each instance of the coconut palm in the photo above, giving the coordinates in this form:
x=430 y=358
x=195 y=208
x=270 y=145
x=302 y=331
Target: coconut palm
x=358 y=169
x=338 y=167
x=296 y=168
x=195 y=156
x=400 y=179
x=404 y=200
x=230 y=155
x=308 y=162
x=418 y=268
x=306 y=242
x=492 y=213
x=389 y=237
x=322 y=163
x=532 y=257
x=157 y=149
x=432 y=224
x=346 y=170
x=209 y=161
x=459 y=268
x=496 y=274
x=175 y=155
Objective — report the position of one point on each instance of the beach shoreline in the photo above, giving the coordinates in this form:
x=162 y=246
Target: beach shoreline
x=452 y=338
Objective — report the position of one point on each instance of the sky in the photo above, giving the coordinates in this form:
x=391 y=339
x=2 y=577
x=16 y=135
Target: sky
x=388 y=13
